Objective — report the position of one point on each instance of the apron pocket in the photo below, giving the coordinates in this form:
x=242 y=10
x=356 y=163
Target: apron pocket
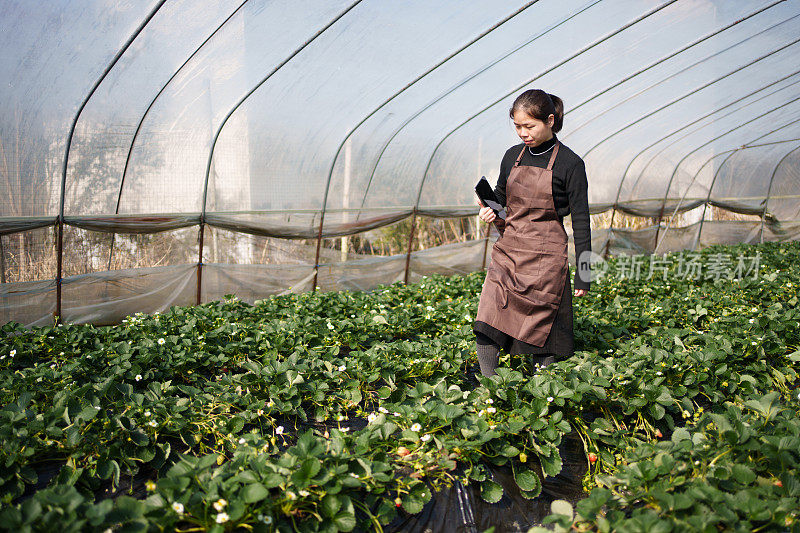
x=528 y=303
x=536 y=270
x=530 y=319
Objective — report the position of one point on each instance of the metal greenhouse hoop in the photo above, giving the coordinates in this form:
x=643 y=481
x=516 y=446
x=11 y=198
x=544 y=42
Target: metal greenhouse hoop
x=60 y=238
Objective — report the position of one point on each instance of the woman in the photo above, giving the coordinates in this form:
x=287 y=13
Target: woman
x=526 y=302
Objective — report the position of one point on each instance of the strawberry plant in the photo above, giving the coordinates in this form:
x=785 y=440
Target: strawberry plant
x=343 y=411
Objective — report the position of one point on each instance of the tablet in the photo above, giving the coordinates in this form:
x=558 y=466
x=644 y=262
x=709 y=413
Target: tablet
x=487 y=196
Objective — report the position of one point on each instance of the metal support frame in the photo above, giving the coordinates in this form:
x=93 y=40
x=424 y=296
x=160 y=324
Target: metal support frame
x=550 y=70
x=147 y=112
x=582 y=51
x=211 y=151
x=543 y=73
x=675 y=171
x=371 y=113
x=463 y=82
x=690 y=93
x=678 y=130
x=673 y=54
x=225 y=121
x=730 y=152
x=714 y=179
x=611 y=87
x=708 y=196
x=2 y=261
x=531 y=80
x=109 y=67
x=650 y=66
x=411 y=232
x=414 y=215
x=707 y=115
x=599 y=116
x=769 y=190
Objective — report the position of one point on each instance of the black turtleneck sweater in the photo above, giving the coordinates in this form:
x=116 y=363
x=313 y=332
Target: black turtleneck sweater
x=570 y=189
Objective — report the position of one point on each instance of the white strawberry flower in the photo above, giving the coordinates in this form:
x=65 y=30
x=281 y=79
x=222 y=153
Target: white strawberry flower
x=220 y=504
x=177 y=507
x=416 y=426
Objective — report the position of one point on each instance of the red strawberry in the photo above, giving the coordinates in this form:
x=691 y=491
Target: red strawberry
x=592 y=457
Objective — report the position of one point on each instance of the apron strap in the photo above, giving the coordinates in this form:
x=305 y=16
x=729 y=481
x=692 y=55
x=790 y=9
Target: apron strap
x=519 y=157
x=553 y=156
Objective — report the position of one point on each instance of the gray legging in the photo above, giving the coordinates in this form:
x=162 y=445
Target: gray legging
x=488 y=355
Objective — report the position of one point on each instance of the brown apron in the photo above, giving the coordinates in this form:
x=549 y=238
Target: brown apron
x=527 y=275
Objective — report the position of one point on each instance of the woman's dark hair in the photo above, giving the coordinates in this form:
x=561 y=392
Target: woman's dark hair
x=540 y=105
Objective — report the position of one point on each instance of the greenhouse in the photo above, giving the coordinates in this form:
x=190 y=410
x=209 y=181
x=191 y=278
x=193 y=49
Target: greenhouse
x=241 y=259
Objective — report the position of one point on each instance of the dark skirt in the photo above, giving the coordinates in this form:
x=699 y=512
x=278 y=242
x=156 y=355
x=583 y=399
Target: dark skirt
x=560 y=342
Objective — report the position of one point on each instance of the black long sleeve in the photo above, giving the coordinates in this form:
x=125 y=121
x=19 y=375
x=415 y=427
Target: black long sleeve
x=570 y=195
x=578 y=194
x=505 y=170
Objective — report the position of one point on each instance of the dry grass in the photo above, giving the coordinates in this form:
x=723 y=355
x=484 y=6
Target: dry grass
x=717 y=213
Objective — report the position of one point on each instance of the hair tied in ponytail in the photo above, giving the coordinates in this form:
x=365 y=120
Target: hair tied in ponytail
x=540 y=105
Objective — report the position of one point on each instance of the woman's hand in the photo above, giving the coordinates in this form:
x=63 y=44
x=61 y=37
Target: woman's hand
x=581 y=292
x=486 y=213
